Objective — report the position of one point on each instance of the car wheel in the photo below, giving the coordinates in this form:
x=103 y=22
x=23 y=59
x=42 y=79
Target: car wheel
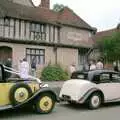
x=19 y=93
x=94 y=101
x=45 y=103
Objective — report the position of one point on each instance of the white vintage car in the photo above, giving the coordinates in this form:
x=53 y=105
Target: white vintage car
x=92 y=88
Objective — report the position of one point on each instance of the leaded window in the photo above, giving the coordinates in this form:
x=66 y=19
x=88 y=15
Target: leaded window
x=39 y=54
x=38 y=31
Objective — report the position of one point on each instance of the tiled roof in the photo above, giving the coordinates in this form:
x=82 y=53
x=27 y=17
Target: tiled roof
x=27 y=13
x=66 y=16
x=100 y=35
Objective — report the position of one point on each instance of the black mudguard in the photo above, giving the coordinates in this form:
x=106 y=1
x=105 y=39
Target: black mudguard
x=88 y=93
x=36 y=94
x=31 y=99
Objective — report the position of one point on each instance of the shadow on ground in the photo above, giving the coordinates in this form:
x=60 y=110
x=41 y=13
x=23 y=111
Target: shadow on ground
x=84 y=107
x=9 y=114
x=15 y=113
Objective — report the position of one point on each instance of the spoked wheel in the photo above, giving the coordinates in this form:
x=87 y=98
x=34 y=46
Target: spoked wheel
x=94 y=101
x=45 y=103
x=19 y=93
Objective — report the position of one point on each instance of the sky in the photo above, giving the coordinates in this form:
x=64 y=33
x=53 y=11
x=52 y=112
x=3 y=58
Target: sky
x=102 y=14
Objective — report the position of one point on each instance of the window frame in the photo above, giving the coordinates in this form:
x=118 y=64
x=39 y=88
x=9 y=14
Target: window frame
x=37 y=53
x=115 y=81
x=107 y=81
x=7 y=25
x=38 y=34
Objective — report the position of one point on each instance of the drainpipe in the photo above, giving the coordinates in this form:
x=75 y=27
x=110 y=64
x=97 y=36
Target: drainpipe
x=55 y=51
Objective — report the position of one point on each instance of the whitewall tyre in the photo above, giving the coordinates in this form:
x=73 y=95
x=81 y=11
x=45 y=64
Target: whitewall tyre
x=94 y=101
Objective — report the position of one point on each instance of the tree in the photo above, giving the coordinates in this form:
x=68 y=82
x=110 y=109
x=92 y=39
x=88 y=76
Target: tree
x=110 y=47
x=58 y=7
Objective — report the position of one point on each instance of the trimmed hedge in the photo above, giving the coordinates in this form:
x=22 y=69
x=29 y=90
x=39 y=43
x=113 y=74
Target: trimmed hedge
x=54 y=73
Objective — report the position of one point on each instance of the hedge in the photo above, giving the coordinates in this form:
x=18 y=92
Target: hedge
x=54 y=73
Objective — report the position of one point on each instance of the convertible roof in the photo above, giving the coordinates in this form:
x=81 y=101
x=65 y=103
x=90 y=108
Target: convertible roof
x=97 y=72
x=101 y=71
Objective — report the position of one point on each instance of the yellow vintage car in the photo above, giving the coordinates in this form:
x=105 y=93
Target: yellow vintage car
x=16 y=92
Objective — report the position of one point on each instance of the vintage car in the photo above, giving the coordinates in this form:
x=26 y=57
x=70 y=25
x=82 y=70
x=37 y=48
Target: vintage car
x=16 y=92
x=92 y=88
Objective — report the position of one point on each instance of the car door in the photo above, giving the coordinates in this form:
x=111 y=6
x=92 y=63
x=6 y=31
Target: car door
x=115 y=80
x=4 y=89
x=109 y=86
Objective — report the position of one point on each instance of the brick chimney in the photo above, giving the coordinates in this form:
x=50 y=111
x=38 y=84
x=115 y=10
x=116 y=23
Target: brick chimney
x=45 y=4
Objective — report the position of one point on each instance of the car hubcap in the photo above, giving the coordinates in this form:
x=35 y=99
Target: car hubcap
x=95 y=101
x=45 y=103
x=21 y=94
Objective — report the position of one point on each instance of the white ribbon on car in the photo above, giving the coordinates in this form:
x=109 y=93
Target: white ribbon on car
x=11 y=70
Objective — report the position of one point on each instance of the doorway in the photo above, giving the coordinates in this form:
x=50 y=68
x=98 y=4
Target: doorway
x=5 y=53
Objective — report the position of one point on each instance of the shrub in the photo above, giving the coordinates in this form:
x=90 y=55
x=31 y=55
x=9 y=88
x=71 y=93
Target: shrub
x=54 y=72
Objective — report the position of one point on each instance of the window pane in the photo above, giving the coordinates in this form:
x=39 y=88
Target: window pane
x=28 y=51
x=42 y=28
x=42 y=60
x=37 y=52
x=43 y=36
x=37 y=36
x=41 y=52
x=115 y=77
x=7 y=22
x=37 y=28
x=1 y=30
x=1 y=21
x=32 y=28
x=28 y=58
x=12 y=23
x=33 y=51
x=104 y=76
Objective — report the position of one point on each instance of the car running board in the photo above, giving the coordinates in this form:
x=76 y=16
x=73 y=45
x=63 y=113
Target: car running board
x=5 y=107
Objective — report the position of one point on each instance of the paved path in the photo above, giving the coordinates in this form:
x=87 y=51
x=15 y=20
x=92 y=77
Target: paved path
x=64 y=111
x=55 y=85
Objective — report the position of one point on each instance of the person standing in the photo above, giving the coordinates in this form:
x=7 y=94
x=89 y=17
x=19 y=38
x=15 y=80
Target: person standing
x=72 y=68
x=8 y=64
x=24 y=69
x=115 y=66
x=99 y=65
x=92 y=65
x=33 y=66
